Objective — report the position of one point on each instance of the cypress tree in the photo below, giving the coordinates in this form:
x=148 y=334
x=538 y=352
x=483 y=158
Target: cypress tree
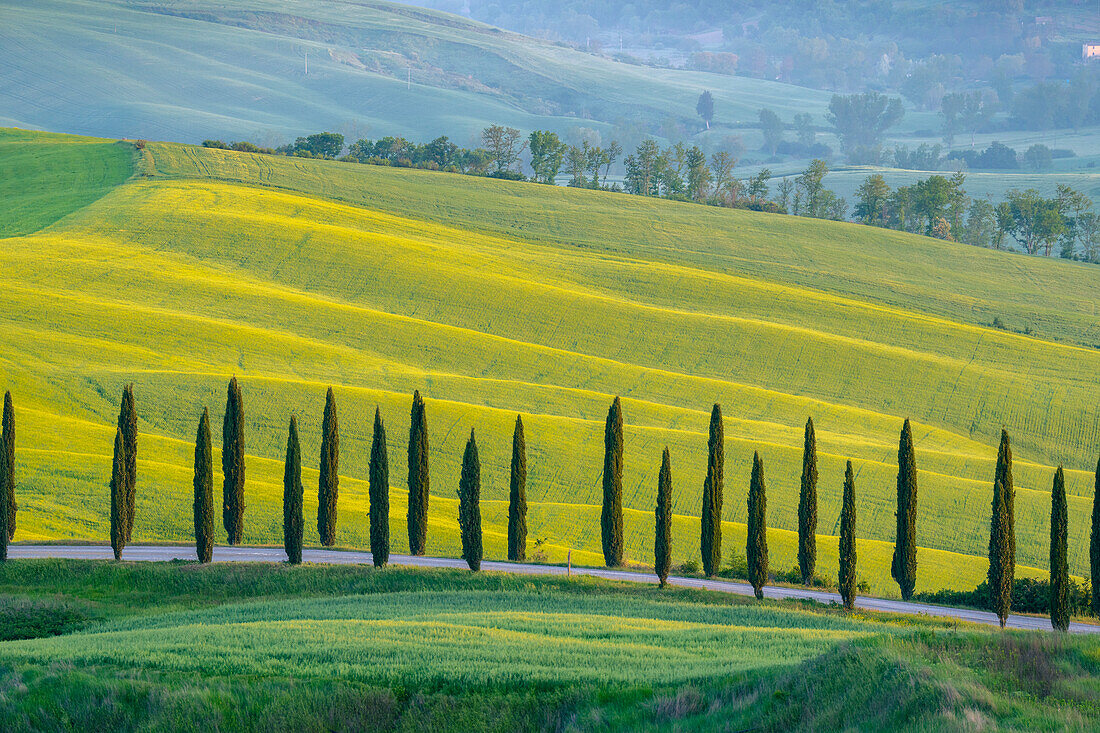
x=846 y=577
x=662 y=541
x=328 y=485
x=233 y=464
x=292 y=496
x=517 y=497
x=904 y=565
x=127 y=423
x=7 y=476
x=469 y=505
x=118 y=495
x=1004 y=475
x=379 y=494
x=1000 y=573
x=756 y=549
x=1059 y=568
x=418 y=477
x=710 y=540
x=611 y=517
x=807 y=507
x=1094 y=545
x=204 y=490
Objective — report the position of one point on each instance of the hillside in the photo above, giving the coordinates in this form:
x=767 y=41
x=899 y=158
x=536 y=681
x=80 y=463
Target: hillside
x=202 y=69
x=494 y=298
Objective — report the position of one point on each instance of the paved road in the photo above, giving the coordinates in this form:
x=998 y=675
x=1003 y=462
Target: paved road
x=347 y=557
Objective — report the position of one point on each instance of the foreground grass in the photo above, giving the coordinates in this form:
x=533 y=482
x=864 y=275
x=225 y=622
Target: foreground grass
x=268 y=648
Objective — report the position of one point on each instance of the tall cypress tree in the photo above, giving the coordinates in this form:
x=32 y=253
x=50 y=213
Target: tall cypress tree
x=517 y=497
x=233 y=464
x=611 y=517
x=469 y=505
x=127 y=423
x=1094 y=544
x=293 y=524
x=807 y=507
x=7 y=475
x=662 y=541
x=418 y=477
x=379 y=494
x=328 y=484
x=1059 y=567
x=1000 y=573
x=904 y=565
x=846 y=578
x=756 y=549
x=204 y=490
x=118 y=495
x=710 y=540
x=1004 y=476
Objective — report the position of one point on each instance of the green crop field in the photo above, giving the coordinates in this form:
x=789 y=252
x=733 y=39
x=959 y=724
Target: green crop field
x=495 y=298
x=241 y=646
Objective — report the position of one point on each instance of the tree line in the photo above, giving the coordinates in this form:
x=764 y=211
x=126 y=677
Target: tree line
x=1000 y=580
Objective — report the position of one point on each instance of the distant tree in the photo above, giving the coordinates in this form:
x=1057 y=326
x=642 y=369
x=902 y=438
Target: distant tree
x=758 y=185
x=756 y=550
x=7 y=476
x=804 y=128
x=1038 y=157
x=118 y=497
x=504 y=145
x=418 y=477
x=1059 y=569
x=951 y=107
x=981 y=223
x=904 y=565
x=127 y=422
x=705 y=107
x=320 y=145
x=379 y=494
x=722 y=164
x=611 y=518
x=469 y=505
x=233 y=464
x=517 y=496
x=328 y=483
x=547 y=154
x=861 y=120
x=772 y=128
x=711 y=524
x=293 y=524
x=610 y=154
x=874 y=197
x=846 y=578
x=698 y=174
x=643 y=169
x=807 y=506
x=1033 y=221
x=811 y=197
x=577 y=159
x=1094 y=544
x=442 y=152
x=204 y=490
x=662 y=541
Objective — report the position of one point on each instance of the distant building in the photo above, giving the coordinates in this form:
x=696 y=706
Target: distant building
x=1090 y=51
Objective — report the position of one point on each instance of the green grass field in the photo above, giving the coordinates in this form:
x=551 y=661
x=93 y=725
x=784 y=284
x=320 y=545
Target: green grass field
x=494 y=298
x=144 y=646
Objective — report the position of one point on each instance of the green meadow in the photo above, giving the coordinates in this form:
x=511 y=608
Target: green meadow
x=496 y=298
x=244 y=646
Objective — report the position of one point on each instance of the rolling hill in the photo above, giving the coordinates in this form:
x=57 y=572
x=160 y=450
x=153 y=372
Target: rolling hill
x=496 y=298
x=270 y=71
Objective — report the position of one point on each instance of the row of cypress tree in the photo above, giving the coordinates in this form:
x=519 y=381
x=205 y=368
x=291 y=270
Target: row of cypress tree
x=1002 y=542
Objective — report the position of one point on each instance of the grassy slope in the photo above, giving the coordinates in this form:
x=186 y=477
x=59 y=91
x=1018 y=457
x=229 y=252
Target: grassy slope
x=495 y=298
x=123 y=69
x=262 y=647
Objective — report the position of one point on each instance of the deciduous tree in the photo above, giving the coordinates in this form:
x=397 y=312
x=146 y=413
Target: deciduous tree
x=704 y=107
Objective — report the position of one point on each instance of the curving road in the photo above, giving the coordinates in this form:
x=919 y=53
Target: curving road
x=349 y=557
